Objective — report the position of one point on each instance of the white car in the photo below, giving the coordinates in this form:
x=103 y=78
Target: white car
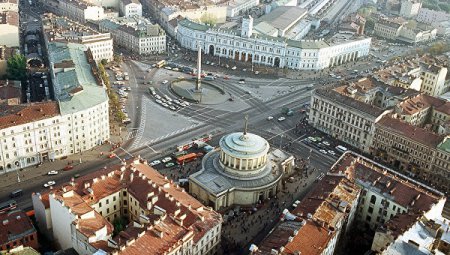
x=326 y=143
x=331 y=152
x=157 y=96
x=53 y=172
x=158 y=101
x=323 y=151
x=165 y=105
x=49 y=184
x=270 y=118
x=256 y=72
x=165 y=82
x=296 y=203
x=233 y=68
x=241 y=82
x=281 y=118
x=166 y=159
x=155 y=162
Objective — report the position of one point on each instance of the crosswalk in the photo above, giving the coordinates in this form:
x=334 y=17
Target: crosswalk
x=158 y=139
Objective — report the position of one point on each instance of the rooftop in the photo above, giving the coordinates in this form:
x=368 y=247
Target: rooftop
x=14 y=225
x=422 y=102
x=75 y=88
x=414 y=133
x=62 y=29
x=136 y=26
x=10 y=90
x=243 y=145
x=283 y=17
x=180 y=215
x=25 y=113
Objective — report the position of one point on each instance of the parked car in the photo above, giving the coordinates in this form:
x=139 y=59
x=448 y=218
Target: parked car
x=155 y=162
x=166 y=159
x=170 y=164
x=281 y=118
x=68 y=167
x=270 y=118
x=323 y=151
x=53 y=172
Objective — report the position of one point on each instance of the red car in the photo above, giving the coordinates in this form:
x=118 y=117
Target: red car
x=226 y=78
x=68 y=167
x=112 y=155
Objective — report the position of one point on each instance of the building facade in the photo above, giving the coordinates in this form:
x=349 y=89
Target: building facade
x=136 y=34
x=236 y=7
x=349 y=112
x=60 y=29
x=130 y=8
x=9 y=5
x=434 y=83
x=429 y=16
x=410 y=8
x=241 y=172
x=247 y=46
x=9 y=28
x=80 y=11
x=163 y=218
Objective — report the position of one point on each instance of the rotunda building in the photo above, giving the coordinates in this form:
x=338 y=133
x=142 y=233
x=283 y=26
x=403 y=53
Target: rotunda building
x=241 y=171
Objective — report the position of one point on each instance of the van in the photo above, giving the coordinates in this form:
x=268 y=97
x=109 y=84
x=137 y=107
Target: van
x=16 y=193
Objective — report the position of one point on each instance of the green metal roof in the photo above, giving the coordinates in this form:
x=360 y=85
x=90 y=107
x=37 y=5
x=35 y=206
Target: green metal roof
x=89 y=93
x=445 y=144
x=193 y=25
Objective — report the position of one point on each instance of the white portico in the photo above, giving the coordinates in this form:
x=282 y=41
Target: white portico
x=242 y=171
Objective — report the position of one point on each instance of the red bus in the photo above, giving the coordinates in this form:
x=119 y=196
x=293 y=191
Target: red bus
x=186 y=158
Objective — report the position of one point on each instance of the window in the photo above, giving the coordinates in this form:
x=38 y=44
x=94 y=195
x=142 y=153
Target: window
x=100 y=204
x=124 y=193
x=370 y=210
x=368 y=218
x=373 y=199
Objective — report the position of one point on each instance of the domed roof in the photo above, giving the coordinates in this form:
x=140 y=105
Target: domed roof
x=241 y=145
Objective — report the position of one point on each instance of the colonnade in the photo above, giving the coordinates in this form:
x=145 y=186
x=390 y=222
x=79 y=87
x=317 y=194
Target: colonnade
x=344 y=58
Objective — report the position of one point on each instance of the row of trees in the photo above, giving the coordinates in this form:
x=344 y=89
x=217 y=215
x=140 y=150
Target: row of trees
x=113 y=98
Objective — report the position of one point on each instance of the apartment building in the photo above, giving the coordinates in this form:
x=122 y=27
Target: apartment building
x=163 y=218
x=137 y=34
x=9 y=28
x=77 y=121
x=80 y=11
x=237 y=7
x=396 y=29
x=429 y=16
x=65 y=30
x=16 y=230
x=315 y=226
x=389 y=29
x=424 y=74
x=166 y=10
x=410 y=8
x=355 y=188
x=434 y=83
x=9 y=5
x=130 y=8
x=349 y=112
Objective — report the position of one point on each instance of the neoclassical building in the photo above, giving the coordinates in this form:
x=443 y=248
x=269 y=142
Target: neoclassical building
x=247 y=45
x=242 y=171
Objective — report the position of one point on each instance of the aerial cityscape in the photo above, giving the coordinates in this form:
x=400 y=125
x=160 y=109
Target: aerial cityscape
x=224 y=127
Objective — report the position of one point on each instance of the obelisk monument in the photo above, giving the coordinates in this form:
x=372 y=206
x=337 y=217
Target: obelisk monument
x=199 y=69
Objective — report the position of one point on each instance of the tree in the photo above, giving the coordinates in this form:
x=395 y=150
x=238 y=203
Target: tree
x=104 y=62
x=118 y=58
x=445 y=7
x=16 y=67
x=208 y=19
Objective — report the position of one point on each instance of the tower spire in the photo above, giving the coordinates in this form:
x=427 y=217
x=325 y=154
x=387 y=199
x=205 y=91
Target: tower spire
x=246 y=124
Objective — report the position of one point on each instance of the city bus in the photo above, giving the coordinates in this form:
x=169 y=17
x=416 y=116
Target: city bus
x=186 y=158
x=161 y=64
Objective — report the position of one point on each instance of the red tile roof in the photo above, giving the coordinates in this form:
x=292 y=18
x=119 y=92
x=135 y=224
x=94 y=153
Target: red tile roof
x=14 y=225
x=22 y=114
x=185 y=217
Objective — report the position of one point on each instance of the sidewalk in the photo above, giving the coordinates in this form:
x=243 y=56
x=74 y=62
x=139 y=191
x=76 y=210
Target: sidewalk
x=10 y=179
